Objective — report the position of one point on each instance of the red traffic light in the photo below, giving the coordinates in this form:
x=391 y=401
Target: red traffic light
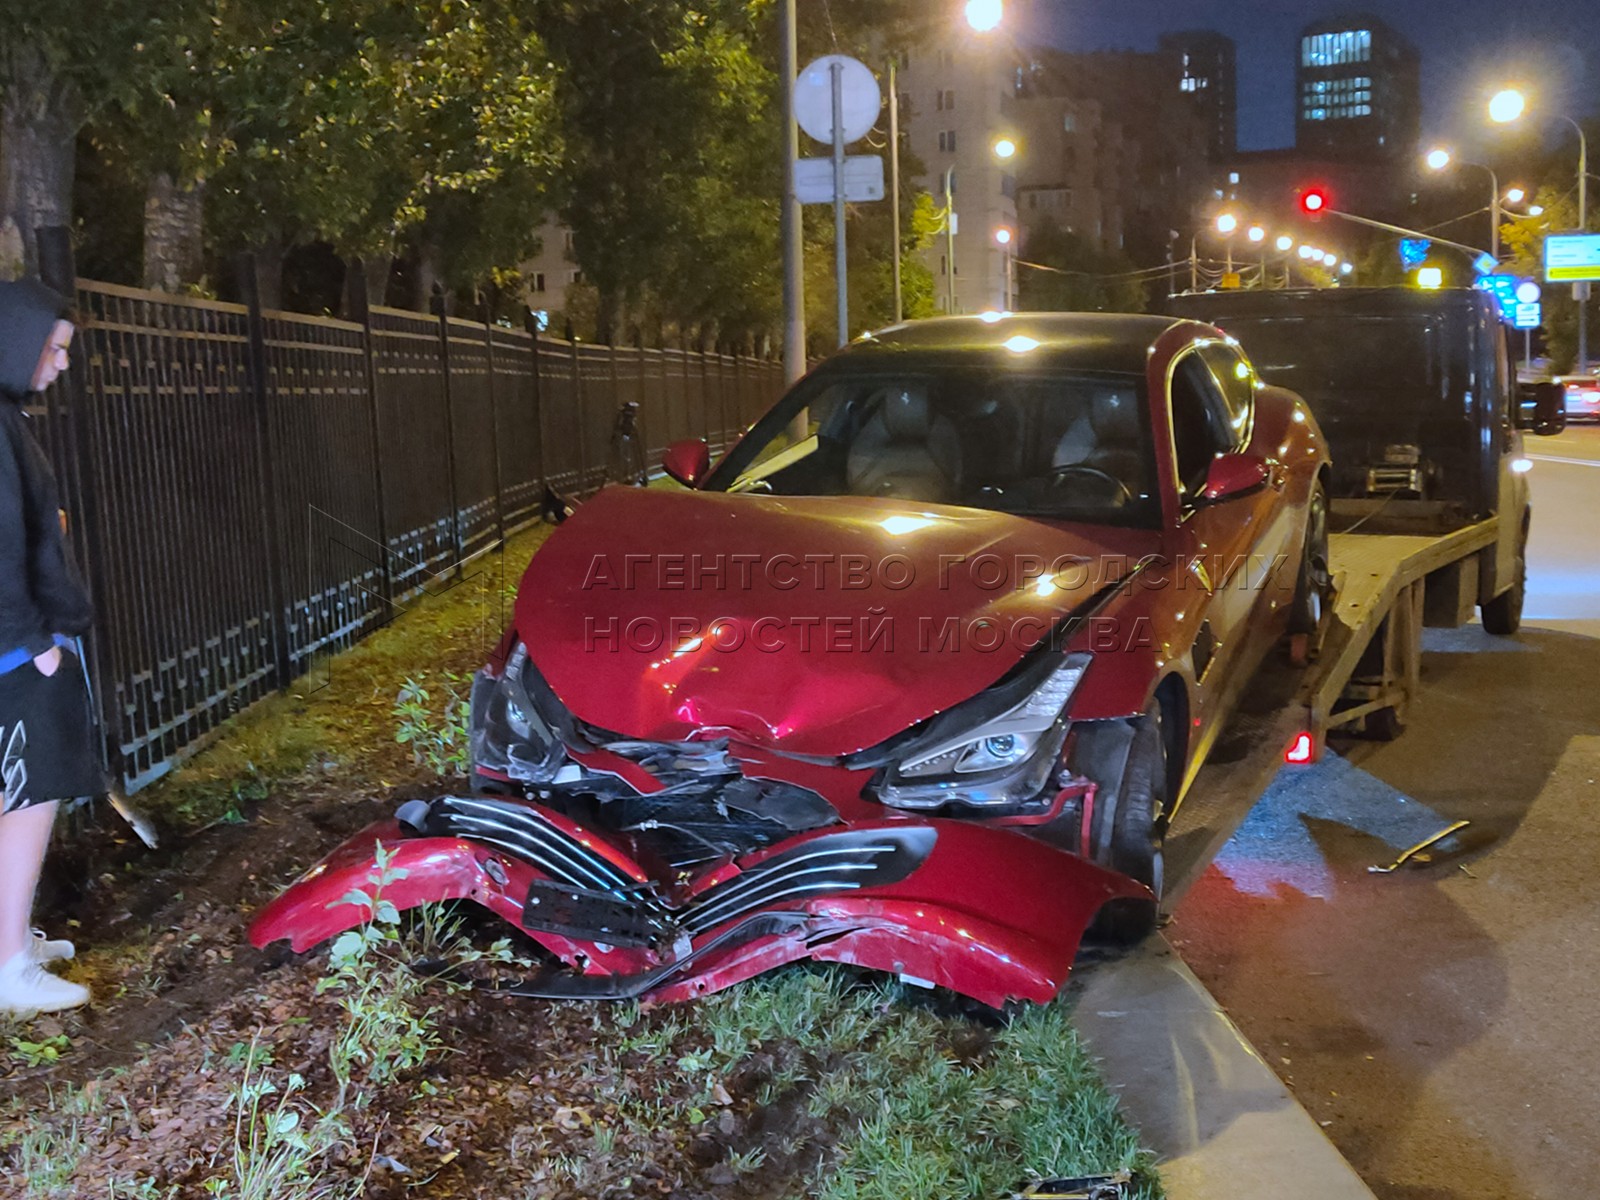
x=1313 y=202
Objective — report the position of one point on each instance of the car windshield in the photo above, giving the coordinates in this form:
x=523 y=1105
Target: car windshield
x=1073 y=446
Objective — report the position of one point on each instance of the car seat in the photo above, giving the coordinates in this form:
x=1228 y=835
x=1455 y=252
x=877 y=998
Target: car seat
x=906 y=450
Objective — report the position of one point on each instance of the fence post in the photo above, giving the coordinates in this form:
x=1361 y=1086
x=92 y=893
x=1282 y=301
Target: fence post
x=58 y=270
x=360 y=310
x=442 y=309
x=531 y=324
x=578 y=407
x=266 y=468
x=487 y=314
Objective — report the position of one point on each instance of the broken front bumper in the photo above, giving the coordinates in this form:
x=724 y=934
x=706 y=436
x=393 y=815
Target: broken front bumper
x=982 y=910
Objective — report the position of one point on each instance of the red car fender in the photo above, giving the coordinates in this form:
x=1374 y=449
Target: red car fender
x=991 y=913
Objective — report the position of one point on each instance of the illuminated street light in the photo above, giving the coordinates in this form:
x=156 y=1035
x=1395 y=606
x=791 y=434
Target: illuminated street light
x=1003 y=236
x=1506 y=106
x=1257 y=234
x=1516 y=196
x=1005 y=148
x=1285 y=244
x=1227 y=223
x=1536 y=210
x=1306 y=251
x=984 y=15
x=1330 y=260
x=1346 y=268
x=1438 y=160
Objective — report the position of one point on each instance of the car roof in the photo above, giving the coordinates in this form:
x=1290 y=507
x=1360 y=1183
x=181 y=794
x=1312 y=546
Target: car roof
x=1117 y=343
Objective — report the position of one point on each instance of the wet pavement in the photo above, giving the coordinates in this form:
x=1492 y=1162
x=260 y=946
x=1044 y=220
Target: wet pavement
x=1438 y=1022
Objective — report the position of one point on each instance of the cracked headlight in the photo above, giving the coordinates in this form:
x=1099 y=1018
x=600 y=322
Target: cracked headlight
x=996 y=751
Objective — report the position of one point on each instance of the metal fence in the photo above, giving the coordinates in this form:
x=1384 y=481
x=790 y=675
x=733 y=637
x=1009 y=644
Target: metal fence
x=249 y=488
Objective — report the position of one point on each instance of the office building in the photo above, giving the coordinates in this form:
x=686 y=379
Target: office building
x=1358 y=90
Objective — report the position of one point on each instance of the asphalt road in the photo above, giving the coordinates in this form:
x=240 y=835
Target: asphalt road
x=1443 y=1022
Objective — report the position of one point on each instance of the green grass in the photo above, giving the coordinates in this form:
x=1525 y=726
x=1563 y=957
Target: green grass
x=911 y=1117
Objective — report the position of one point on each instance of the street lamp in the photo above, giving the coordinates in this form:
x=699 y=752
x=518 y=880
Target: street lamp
x=1509 y=105
x=1439 y=159
x=1005 y=148
x=984 y=15
x=1003 y=237
x=1285 y=244
x=1227 y=223
x=1516 y=196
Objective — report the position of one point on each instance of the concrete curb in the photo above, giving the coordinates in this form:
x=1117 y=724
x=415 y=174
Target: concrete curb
x=1222 y=1124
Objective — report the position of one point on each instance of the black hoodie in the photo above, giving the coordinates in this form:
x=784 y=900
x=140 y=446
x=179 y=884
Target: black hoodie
x=39 y=593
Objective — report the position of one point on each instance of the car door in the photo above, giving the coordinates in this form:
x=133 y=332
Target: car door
x=1219 y=538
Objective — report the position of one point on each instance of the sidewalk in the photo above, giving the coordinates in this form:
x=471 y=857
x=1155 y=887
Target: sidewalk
x=1221 y=1123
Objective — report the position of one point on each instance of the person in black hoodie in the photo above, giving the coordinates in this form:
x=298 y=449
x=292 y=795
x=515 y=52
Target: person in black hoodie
x=47 y=749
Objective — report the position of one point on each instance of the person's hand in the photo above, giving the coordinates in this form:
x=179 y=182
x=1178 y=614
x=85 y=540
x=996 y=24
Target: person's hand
x=48 y=661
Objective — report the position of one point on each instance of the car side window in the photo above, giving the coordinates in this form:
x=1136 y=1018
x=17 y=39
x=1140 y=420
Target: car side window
x=1201 y=429
x=1237 y=382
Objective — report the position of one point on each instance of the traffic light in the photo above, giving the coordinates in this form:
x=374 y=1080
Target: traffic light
x=1314 y=202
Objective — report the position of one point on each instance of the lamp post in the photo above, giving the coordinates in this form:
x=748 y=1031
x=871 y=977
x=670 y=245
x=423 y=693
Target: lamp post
x=1227 y=225
x=1438 y=160
x=1509 y=105
x=1258 y=235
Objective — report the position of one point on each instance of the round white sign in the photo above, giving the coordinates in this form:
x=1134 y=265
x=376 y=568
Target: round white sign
x=859 y=98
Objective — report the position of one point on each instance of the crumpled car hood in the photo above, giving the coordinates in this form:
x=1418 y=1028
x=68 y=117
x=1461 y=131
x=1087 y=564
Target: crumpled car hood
x=821 y=625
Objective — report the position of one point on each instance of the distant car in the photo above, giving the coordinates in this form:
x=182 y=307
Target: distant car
x=912 y=679
x=1583 y=396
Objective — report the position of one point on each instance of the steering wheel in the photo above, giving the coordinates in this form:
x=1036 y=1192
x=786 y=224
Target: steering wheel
x=1124 y=494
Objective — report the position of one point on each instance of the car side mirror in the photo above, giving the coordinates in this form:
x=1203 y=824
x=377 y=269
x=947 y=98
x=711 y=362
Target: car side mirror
x=1233 y=475
x=1542 y=408
x=687 y=461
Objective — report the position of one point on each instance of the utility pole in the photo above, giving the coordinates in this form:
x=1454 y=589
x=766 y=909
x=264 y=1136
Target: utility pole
x=841 y=258
x=791 y=232
x=950 y=240
x=894 y=187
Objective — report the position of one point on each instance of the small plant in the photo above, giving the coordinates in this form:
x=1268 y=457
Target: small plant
x=437 y=742
x=383 y=1036
x=279 y=1142
x=42 y=1158
x=37 y=1054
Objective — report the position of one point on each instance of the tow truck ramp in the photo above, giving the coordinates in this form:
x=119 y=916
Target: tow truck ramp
x=1387 y=585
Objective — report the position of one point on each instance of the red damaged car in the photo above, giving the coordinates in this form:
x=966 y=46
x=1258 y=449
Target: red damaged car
x=912 y=679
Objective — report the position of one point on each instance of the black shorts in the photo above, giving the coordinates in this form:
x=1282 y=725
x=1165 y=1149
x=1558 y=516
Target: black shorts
x=47 y=739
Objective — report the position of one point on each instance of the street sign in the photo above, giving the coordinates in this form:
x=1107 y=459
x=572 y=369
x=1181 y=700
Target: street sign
x=1414 y=251
x=1571 y=257
x=1504 y=289
x=859 y=98
x=1528 y=316
x=863 y=179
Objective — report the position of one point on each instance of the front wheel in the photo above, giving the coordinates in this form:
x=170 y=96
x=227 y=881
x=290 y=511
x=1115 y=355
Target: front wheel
x=1311 y=584
x=1129 y=826
x=1502 y=616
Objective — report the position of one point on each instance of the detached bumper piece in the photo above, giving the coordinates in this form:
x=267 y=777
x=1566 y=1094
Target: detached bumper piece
x=980 y=909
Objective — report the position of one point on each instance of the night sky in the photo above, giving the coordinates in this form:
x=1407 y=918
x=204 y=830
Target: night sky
x=1468 y=48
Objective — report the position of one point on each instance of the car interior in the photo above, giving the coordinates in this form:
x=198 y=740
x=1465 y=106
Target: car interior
x=1073 y=446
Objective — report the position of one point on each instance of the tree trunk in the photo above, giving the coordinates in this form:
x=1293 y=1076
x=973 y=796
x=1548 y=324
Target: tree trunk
x=39 y=120
x=430 y=274
x=371 y=275
x=269 y=271
x=174 y=248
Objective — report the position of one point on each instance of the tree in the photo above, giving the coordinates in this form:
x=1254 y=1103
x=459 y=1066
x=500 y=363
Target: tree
x=1072 y=275
x=60 y=64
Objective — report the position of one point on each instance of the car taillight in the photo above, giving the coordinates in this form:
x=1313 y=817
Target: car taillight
x=1302 y=750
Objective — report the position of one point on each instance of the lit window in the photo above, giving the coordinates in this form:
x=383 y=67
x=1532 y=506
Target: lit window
x=1233 y=177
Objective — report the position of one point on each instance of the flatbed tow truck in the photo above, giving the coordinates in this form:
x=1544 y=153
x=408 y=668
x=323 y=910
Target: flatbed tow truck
x=1428 y=520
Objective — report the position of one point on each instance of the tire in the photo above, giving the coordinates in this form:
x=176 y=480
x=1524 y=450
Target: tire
x=1306 y=610
x=1137 y=827
x=1502 y=616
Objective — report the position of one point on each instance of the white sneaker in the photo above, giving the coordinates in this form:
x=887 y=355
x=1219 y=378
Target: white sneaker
x=51 y=950
x=25 y=986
